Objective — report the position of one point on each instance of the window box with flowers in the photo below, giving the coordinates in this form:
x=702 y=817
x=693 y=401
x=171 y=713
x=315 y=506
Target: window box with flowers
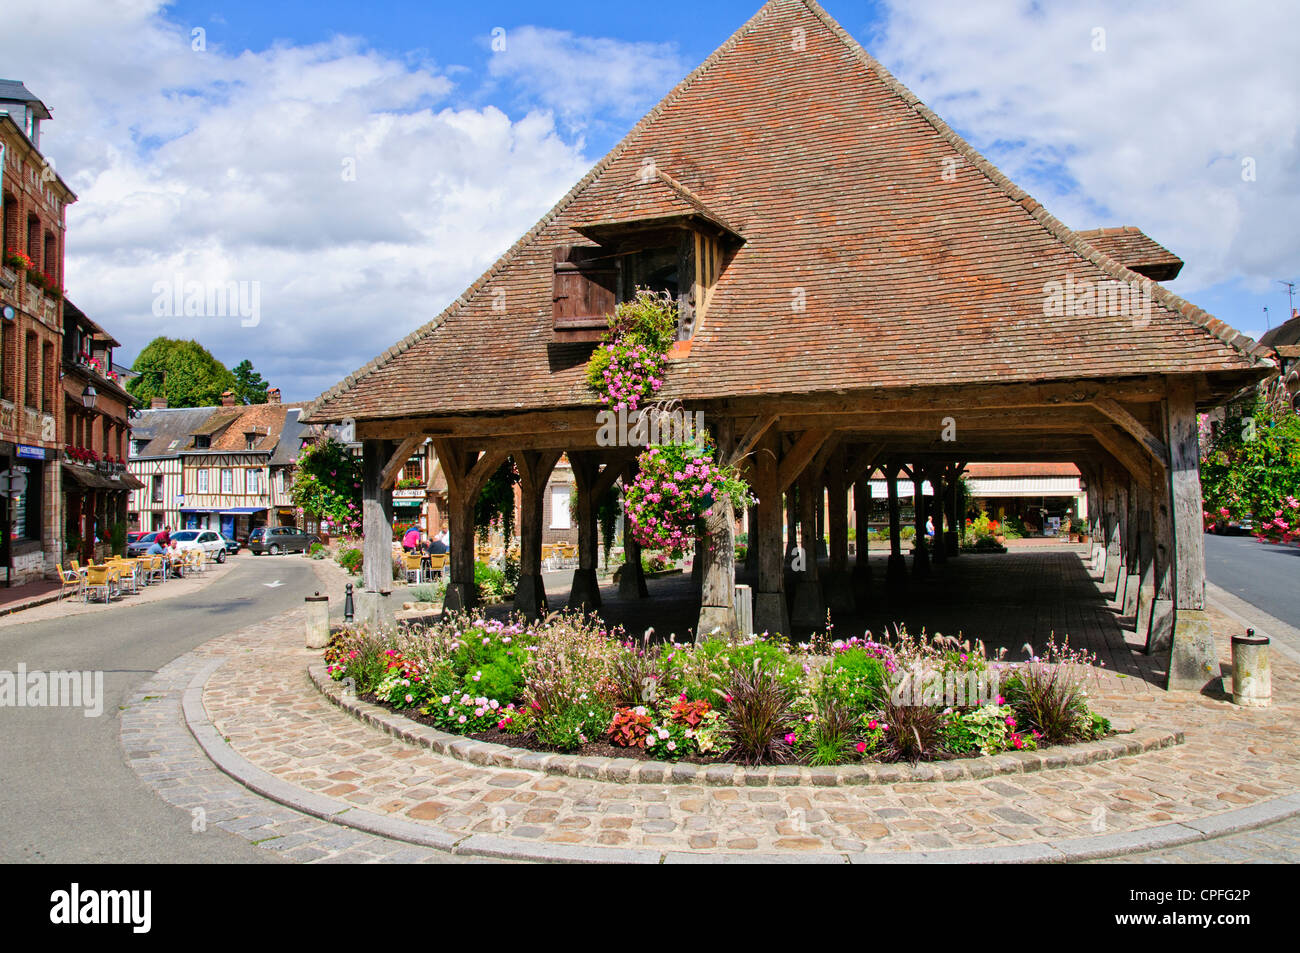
x=83 y=455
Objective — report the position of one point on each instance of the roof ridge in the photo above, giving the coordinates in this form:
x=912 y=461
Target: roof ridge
x=349 y=382
x=1054 y=226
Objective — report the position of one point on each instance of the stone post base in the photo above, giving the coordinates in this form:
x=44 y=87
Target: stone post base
x=631 y=582
x=861 y=582
x=1194 y=662
x=951 y=544
x=585 y=593
x=920 y=560
x=839 y=591
x=716 y=622
x=530 y=595
x=896 y=575
x=807 y=609
x=375 y=609
x=770 y=614
x=458 y=597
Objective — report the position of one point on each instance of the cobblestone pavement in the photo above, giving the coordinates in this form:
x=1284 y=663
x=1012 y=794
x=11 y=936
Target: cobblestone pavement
x=165 y=756
x=262 y=701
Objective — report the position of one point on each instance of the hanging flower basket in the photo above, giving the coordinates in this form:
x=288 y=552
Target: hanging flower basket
x=675 y=492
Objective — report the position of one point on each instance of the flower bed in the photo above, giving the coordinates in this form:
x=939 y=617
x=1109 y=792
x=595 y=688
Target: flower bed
x=566 y=685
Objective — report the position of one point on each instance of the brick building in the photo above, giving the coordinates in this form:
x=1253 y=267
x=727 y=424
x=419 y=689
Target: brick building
x=33 y=201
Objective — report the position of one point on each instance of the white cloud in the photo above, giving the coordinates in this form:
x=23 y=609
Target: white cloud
x=1151 y=131
x=578 y=76
x=231 y=166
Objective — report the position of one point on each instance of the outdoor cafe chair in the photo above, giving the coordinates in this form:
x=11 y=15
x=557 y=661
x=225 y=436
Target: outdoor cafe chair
x=155 y=570
x=70 y=581
x=437 y=563
x=411 y=564
x=98 y=580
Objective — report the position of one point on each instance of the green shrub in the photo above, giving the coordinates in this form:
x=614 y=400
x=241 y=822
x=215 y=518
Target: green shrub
x=574 y=725
x=351 y=560
x=490 y=581
x=858 y=679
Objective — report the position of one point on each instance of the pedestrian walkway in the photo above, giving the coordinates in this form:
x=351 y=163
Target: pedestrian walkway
x=262 y=702
x=27 y=595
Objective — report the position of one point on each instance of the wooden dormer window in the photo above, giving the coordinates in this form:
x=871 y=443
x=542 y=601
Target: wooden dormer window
x=656 y=235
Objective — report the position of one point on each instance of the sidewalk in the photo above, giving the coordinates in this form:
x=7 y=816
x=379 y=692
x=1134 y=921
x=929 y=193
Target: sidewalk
x=29 y=594
x=51 y=607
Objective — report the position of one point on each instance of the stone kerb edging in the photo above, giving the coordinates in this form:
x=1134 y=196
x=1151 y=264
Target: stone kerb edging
x=630 y=770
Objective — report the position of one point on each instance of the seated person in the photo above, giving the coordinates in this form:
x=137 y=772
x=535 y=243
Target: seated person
x=436 y=546
x=155 y=550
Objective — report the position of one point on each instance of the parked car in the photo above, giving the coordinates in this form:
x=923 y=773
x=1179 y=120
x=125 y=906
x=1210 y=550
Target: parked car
x=135 y=534
x=140 y=545
x=205 y=539
x=280 y=539
x=232 y=545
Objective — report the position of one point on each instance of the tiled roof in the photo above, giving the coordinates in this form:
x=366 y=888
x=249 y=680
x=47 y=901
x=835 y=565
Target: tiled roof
x=263 y=420
x=918 y=262
x=168 y=430
x=1135 y=250
x=647 y=199
x=1288 y=332
x=986 y=471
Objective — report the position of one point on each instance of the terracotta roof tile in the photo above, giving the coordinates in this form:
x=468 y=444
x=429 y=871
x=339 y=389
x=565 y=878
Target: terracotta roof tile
x=1135 y=250
x=919 y=262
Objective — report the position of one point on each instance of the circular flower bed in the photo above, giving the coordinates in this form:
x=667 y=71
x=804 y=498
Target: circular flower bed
x=568 y=685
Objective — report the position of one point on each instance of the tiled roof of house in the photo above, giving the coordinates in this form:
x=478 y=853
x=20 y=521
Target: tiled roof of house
x=169 y=430
x=987 y=471
x=1135 y=250
x=647 y=198
x=264 y=422
x=916 y=261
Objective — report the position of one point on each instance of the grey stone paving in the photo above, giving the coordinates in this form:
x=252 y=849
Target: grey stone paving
x=1276 y=844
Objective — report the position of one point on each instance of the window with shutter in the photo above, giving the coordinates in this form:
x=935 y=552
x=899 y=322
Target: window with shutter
x=585 y=291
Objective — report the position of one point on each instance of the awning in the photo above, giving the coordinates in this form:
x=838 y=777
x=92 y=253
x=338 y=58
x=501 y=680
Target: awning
x=95 y=480
x=198 y=509
x=241 y=510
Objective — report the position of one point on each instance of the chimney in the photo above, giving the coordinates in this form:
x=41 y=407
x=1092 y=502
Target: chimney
x=273 y=395
x=227 y=398
x=158 y=403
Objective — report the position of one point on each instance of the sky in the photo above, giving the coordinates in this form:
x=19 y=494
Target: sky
x=352 y=167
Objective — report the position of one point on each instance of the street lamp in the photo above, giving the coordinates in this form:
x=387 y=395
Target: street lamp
x=89 y=396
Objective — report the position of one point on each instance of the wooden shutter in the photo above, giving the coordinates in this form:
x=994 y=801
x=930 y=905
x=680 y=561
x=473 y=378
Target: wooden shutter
x=585 y=291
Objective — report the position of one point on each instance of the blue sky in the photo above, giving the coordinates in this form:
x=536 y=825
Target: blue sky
x=222 y=163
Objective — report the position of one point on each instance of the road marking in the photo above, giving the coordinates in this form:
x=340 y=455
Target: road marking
x=273 y=585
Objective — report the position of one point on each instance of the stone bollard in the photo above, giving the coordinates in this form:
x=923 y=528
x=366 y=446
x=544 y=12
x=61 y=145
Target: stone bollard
x=318 y=621
x=1252 y=680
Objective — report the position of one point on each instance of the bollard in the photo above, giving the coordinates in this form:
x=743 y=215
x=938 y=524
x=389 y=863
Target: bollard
x=348 y=609
x=318 y=621
x=1252 y=680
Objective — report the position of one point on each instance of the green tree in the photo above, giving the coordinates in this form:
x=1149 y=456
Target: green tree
x=250 y=388
x=1250 y=463
x=183 y=372
x=327 y=485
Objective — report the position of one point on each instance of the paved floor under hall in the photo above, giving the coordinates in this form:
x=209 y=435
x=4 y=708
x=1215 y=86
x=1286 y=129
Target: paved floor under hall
x=1005 y=599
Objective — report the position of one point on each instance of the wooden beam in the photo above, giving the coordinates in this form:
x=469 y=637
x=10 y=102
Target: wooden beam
x=388 y=475
x=1129 y=456
x=799 y=456
x=1135 y=428
x=752 y=436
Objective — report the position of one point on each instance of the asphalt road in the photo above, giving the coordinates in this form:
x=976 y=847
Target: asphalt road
x=1264 y=575
x=66 y=792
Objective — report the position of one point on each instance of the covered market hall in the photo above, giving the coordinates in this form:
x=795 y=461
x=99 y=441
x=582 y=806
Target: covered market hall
x=861 y=296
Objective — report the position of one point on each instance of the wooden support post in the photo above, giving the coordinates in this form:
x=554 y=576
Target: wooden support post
x=584 y=593
x=718 y=552
x=862 y=563
x=376 y=518
x=1194 y=662
x=936 y=513
x=1121 y=517
x=920 y=551
x=1160 y=636
x=771 y=613
x=1146 y=564
x=1111 y=522
x=1132 y=559
x=952 y=538
x=535 y=468
x=807 y=609
x=838 y=589
x=751 y=551
x=822 y=552
x=792 y=529
x=466 y=473
x=631 y=578
x=896 y=571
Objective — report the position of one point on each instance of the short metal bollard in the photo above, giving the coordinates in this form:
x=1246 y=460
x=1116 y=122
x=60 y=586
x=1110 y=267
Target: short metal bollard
x=1252 y=678
x=349 y=610
x=318 y=621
